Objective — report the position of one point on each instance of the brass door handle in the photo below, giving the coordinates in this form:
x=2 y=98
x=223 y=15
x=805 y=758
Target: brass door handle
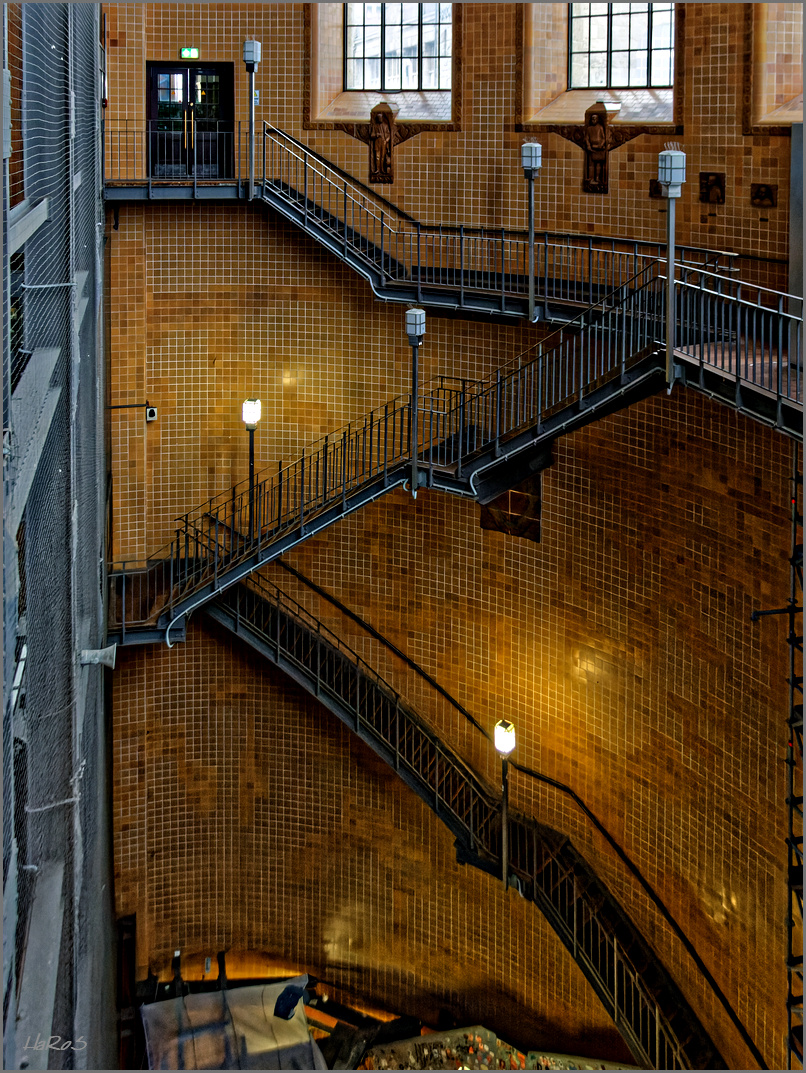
x=184 y=128
x=192 y=129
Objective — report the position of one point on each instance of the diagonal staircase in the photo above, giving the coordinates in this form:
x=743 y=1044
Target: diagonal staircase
x=443 y=266
x=477 y=269
x=475 y=438
x=649 y=1011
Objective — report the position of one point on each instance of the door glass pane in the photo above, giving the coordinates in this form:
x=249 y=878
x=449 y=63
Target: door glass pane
x=207 y=96
x=430 y=13
x=372 y=14
x=429 y=40
x=355 y=14
x=394 y=13
x=444 y=74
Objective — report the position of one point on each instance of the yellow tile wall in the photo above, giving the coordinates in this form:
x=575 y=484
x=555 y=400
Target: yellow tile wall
x=663 y=528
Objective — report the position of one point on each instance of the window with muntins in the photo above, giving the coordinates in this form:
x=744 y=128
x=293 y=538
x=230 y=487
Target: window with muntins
x=620 y=46
x=397 y=47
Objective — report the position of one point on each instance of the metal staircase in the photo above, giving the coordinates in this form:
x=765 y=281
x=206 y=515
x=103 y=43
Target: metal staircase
x=651 y=1014
x=473 y=435
x=454 y=267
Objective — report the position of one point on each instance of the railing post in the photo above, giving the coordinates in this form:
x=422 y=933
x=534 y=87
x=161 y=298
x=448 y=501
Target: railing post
x=305 y=189
x=263 y=177
x=615 y=980
x=503 y=275
x=345 y=219
x=419 y=267
x=397 y=733
x=123 y=606
x=461 y=266
x=497 y=447
x=302 y=495
x=383 y=268
x=148 y=155
x=461 y=430
x=279 y=496
x=344 y=470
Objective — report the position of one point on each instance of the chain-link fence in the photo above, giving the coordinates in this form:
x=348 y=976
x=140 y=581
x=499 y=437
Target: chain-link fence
x=57 y=947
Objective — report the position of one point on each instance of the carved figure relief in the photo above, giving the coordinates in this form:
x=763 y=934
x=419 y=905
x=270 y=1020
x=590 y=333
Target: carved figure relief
x=712 y=187
x=598 y=138
x=381 y=134
x=381 y=140
x=763 y=195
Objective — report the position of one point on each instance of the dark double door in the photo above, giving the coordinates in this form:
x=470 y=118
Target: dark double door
x=191 y=121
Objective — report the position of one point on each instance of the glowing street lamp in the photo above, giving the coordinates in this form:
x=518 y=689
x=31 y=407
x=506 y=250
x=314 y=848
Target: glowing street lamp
x=251 y=416
x=504 y=741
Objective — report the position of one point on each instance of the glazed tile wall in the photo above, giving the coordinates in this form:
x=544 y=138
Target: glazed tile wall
x=263 y=824
x=212 y=305
x=473 y=176
x=779 y=67
x=621 y=645
x=622 y=648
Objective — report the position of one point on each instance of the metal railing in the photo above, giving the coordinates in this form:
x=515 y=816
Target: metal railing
x=375 y=236
x=460 y=423
x=568 y=268
x=654 y=1019
x=174 y=152
x=742 y=330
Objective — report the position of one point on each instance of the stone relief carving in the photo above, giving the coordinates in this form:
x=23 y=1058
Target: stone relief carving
x=381 y=134
x=598 y=138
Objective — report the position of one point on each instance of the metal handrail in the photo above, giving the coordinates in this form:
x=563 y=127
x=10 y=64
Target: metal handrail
x=541 y=858
x=461 y=422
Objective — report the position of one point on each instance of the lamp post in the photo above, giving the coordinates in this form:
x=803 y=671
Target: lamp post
x=531 y=161
x=251 y=416
x=415 y=330
x=504 y=740
x=251 y=57
x=671 y=176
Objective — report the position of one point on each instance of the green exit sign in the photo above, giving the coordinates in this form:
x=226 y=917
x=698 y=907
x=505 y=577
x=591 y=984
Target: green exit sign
x=189 y=53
